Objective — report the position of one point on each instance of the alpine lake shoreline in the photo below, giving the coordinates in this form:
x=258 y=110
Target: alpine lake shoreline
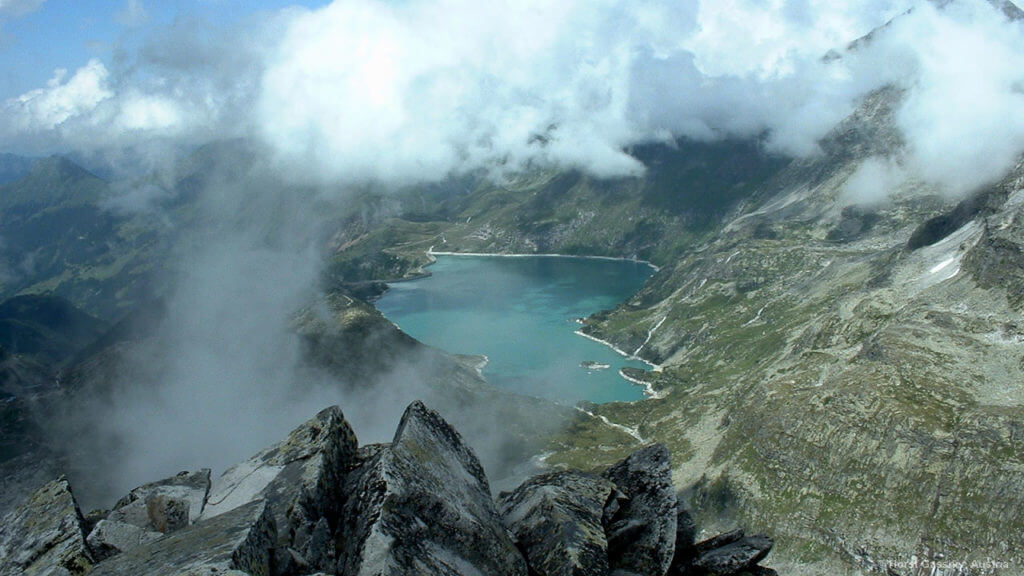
x=587 y=366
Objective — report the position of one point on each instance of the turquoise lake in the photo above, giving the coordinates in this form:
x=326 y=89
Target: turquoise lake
x=521 y=313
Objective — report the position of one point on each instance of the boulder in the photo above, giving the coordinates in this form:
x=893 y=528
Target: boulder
x=298 y=477
x=111 y=537
x=149 y=511
x=556 y=521
x=641 y=527
x=735 y=558
x=686 y=537
x=423 y=506
x=242 y=539
x=718 y=541
x=44 y=535
x=166 y=505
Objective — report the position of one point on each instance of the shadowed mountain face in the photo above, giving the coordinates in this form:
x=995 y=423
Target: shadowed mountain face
x=56 y=236
x=46 y=327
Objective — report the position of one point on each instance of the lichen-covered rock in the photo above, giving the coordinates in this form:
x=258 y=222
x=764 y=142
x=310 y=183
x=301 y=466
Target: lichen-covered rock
x=242 y=539
x=111 y=537
x=642 y=530
x=556 y=521
x=298 y=477
x=149 y=511
x=44 y=535
x=423 y=506
x=165 y=505
x=734 y=558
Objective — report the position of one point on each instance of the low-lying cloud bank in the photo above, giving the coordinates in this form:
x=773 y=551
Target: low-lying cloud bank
x=402 y=92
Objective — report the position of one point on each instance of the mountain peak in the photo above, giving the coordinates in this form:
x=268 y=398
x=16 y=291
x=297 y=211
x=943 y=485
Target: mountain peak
x=53 y=181
x=60 y=167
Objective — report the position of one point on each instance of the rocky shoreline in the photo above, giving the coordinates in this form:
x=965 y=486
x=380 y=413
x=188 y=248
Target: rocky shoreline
x=318 y=503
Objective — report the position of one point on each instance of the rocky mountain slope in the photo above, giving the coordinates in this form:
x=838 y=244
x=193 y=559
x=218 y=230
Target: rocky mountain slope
x=830 y=356
x=845 y=373
x=317 y=502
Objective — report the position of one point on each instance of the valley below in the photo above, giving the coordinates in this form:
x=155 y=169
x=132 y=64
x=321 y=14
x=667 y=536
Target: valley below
x=818 y=379
x=844 y=376
x=699 y=331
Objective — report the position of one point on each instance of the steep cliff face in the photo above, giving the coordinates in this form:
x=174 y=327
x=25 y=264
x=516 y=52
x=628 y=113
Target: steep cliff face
x=421 y=505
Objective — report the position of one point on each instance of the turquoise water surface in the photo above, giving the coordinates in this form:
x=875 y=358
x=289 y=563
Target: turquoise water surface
x=521 y=313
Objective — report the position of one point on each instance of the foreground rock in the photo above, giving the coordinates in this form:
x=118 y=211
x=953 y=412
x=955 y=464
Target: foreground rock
x=298 y=478
x=149 y=511
x=641 y=526
x=423 y=506
x=728 y=554
x=734 y=558
x=44 y=535
x=317 y=503
x=242 y=539
x=166 y=505
x=110 y=538
x=556 y=519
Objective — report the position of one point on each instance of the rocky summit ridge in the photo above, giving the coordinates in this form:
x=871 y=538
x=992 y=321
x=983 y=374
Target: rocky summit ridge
x=318 y=503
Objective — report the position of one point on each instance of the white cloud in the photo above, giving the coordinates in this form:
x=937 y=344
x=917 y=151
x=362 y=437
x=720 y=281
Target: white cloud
x=47 y=108
x=770 y=38
x=875 y=180
x=369 y=90
x=149 y=113
x=964 y=115
x=377 y=90
x=366 y=89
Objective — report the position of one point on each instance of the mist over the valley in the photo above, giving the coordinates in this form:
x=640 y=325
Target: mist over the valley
x=398 y=93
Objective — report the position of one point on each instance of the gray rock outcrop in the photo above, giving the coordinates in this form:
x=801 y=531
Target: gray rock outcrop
x=242 y=539
x=149 y=511
x=733 y=558
x=166 y=505
x=556 y=521
x=44 y=535
x=298 y=478
x=111 y=537
x=423 y=506
x=316 y=503
x=641 y=527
